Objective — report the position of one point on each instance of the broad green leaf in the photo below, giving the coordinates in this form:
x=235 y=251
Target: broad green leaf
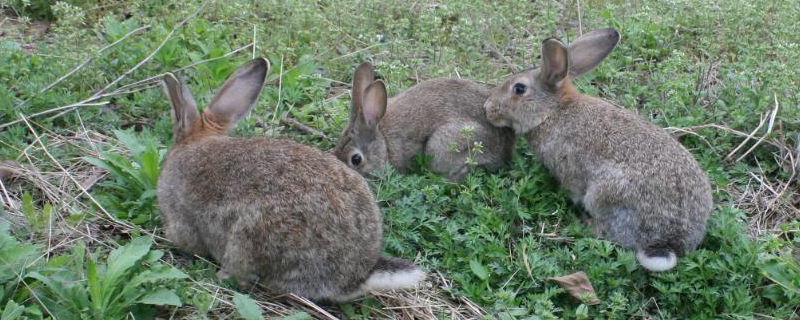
x=149 y=194
x=11 y=311
x=64 y=295
x=95 y=285
x=130 y=142
x=478 y=269
x=150 y=167
x=27 y=206
x=153 y=256
x=161 y=297
x=157 y=272
x=299 y=316
x=247 y=307
x=121 y=259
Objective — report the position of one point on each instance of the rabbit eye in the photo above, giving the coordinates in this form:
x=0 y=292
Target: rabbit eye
x=355 y=159
x=519 y=88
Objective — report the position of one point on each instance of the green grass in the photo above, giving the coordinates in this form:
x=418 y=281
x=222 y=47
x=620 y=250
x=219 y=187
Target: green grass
x=498 y=237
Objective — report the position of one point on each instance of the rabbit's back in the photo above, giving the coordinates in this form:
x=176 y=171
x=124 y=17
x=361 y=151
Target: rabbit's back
x=619 y=160
x=432 y=102
x=413 y=115
x=298 y=213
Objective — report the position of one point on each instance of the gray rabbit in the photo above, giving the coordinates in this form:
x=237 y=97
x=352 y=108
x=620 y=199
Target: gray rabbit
x=289 y=216
x=642 y=189
x=442 y=118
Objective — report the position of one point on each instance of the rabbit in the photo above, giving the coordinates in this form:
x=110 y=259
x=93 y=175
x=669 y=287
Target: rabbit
x=289 y=216
x=431 y=118
x=640 y=186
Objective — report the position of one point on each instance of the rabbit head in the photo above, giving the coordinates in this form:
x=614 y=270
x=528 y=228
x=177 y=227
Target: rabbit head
x=362 y=146
x=526 y=99
x=232 y=102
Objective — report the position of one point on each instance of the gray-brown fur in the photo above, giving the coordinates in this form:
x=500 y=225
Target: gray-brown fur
x=277 y=212
x=429 y=119
x=643 y=189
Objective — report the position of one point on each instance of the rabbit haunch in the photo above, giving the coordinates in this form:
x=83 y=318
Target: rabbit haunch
x=642 y=188
x=272 y=211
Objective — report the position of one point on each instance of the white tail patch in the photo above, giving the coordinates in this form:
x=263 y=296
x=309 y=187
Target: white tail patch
x=657 y=264
x=403 y=279
x=385 y=281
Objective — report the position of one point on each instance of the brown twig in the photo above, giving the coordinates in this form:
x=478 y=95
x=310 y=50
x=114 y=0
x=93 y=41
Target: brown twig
x=302 y=127
x=580 y=19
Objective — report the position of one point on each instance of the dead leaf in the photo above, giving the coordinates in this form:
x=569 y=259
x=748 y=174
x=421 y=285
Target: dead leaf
x=94 y=176
x=579 y=286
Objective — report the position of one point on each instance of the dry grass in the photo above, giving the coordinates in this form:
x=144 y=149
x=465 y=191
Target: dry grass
x=768 y=202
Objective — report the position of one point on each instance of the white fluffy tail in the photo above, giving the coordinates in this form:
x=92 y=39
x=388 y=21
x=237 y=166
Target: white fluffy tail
x=388 y=274
x=657 y=263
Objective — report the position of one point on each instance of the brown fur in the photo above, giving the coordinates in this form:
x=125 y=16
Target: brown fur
x=643 y=189
x=289 y=216
x=426 y=119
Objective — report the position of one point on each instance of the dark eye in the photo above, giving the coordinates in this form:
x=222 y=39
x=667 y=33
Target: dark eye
x=519 y=88
x=355 y=159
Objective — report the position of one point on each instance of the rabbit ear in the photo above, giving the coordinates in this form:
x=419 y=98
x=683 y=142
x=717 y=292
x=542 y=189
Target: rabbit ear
x=374 y=103
x=362 y=77
x=239 y=93
x=184 y=109
x=555 y=62
x=586 y=52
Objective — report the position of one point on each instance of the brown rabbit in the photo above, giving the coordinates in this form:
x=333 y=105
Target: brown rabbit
x=286 y=215
x=643 y=189
x=442 y=118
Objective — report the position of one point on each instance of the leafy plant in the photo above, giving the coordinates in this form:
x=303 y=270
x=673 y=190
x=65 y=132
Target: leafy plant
x=247 y=308
x=130 y=281
x=38 y=220
x=132 y=192
x=11 y=311
x=40 y=9
x=16 y=260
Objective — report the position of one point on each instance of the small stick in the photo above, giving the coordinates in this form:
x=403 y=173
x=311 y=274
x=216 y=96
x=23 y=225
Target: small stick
x=79 y=104
x=254 y=41
x=749 y=136
x=769 y=129
x=312 y=305
x=302 y=127
x=580 y=21
x=280 y=88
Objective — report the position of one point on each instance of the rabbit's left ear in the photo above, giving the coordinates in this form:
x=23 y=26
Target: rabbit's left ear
x=362 y=78
x=586 y=52
x=184 y=109
x=555 y=63
x=239 y=93
x=374 y=103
